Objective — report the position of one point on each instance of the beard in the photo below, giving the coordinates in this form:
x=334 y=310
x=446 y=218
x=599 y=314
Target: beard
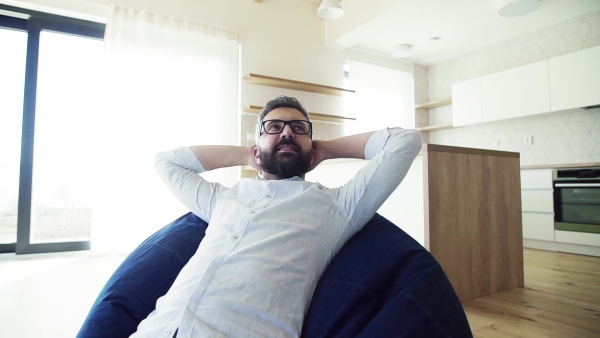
x=285 y=165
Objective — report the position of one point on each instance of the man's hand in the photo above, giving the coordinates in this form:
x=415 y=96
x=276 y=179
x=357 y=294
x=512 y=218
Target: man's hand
x=319 y=155
x=250 y=158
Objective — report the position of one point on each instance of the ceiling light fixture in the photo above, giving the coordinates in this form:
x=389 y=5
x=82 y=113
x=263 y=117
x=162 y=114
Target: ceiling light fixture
x=330 y=9
x=512 y=8
x=401 y=51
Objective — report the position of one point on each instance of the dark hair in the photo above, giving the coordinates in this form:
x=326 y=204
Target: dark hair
x=281 y=101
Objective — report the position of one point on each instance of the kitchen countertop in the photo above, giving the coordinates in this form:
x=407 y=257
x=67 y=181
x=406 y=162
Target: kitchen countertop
x=468 y=151
x=560 y=165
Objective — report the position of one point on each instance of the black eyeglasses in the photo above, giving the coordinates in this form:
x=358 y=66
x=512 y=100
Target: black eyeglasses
x=299 y=127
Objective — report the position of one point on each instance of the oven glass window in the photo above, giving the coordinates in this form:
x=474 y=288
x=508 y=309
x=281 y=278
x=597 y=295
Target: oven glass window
x=580 y=205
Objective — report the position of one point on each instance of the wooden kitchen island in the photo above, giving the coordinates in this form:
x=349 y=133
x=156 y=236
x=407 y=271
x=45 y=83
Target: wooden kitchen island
x=464 y=206
x=473 y=227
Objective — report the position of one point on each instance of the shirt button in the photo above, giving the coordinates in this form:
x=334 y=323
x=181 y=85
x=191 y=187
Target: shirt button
x=268 y=196
x=235 y=237
x=253 y=212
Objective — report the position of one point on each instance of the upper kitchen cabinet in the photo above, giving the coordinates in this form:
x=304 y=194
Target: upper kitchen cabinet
x=574 y=79
x=517 y=92
x=466 y=102
x=565 y=82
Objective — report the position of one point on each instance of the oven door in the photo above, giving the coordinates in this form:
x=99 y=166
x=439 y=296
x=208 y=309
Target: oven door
x=577 y=206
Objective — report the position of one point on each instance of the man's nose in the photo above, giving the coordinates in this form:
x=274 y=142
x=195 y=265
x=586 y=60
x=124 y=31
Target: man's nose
x=287 y=132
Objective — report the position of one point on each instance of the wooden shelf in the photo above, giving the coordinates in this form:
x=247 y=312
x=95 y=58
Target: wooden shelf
x=431 y=105
x=434 y=104
x=434 y=127
x=297 y=85
x=313 y=116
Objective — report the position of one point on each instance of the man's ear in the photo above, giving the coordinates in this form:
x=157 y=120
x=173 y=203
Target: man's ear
x=256 y=155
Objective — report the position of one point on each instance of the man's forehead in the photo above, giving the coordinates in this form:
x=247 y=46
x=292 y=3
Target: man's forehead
x=285 y=113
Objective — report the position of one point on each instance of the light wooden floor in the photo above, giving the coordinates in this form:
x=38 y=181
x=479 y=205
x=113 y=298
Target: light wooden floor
x=561 y=298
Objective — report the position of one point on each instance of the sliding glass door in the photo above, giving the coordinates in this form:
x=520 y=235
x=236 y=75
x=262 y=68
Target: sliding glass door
x=12 y=67
x=53 y=133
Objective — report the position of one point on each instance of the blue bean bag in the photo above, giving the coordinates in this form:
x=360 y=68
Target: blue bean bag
x=382 y=283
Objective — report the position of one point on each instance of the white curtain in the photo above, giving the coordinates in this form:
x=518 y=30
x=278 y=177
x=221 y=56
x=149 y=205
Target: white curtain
x=167 y=83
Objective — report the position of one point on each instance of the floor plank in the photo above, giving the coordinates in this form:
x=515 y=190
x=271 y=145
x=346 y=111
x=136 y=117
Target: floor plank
x=561 y=298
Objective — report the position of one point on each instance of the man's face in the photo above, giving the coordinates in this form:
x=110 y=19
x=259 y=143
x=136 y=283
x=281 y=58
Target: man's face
x=286 y=154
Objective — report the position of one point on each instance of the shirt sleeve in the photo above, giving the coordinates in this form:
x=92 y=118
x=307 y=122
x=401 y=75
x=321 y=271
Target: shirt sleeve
x=179 y=169
x=390 y=153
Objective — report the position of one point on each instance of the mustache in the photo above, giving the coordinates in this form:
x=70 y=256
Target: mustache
x=286 y=141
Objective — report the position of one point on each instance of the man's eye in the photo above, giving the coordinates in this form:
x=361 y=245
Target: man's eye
x=273 y=127
x=299 y=127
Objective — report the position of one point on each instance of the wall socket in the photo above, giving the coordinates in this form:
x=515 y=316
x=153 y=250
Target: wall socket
x=528 y=140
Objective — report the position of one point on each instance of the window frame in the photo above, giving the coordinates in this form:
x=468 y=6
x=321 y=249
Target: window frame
x=34 y=25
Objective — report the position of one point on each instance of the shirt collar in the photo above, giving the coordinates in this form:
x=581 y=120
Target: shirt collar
x=295 y=178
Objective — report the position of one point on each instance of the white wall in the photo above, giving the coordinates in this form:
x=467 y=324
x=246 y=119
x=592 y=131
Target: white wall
x=282 y=38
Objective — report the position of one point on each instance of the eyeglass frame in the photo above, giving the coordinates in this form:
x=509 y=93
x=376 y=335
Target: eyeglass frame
x=285 y=123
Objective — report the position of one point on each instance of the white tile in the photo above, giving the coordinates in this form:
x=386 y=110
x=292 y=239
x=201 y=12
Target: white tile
x=593 y=19
x=584 y=30
x=577 y=139
x=590 y=143
x=572 y=27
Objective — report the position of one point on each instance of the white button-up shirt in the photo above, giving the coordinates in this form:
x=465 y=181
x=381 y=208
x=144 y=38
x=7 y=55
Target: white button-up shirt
x=268 y=242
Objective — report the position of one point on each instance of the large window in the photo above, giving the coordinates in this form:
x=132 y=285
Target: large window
x=49 y=114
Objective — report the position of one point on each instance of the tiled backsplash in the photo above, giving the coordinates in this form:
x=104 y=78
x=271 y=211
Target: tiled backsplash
x=566 y=137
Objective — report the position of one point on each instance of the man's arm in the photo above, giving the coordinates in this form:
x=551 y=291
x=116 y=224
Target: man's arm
x=352 y=146
x=390 y=152
x=216 y=156
x=179 y=170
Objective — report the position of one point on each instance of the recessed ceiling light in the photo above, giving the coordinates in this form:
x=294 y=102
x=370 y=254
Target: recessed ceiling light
x=512 y=8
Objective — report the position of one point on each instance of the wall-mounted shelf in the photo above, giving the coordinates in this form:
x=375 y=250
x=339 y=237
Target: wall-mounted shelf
x=432 y=105
x=434 y=127
x=313 y=116
x=293 y=84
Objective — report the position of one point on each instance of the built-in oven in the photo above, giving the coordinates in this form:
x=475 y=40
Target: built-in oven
x=577 y=199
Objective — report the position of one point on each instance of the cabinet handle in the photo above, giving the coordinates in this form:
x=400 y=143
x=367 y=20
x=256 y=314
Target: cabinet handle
x=576 y=185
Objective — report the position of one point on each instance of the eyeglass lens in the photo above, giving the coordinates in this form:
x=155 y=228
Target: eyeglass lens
x=276 y=126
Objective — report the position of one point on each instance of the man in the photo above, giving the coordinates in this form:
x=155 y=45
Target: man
x=270 y=238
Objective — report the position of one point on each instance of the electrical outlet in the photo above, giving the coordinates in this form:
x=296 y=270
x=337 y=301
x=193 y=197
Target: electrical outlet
x=528 y=140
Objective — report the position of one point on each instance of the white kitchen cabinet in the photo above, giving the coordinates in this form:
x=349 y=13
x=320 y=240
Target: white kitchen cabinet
x=536 y=179
x=538 y=226
x=537 y=200
x=574 y=79
x=537 y=205
x=538 y=218
x=466 y=102
x=564 y=82
x=517 y=92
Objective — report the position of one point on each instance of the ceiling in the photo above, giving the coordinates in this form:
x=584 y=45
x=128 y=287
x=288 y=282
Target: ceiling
x=462 y=26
